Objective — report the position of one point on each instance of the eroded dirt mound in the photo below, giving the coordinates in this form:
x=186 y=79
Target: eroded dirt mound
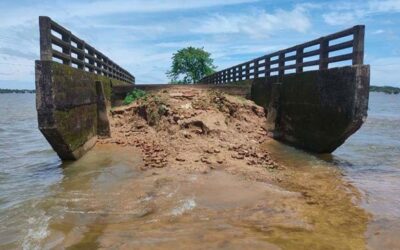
x=186 y=135
x=197 y=130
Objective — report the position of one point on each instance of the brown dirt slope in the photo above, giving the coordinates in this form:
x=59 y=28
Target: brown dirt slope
x=196 y=130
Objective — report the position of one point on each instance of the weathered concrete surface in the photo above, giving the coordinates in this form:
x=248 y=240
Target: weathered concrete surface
x=316 y=110
x=103 y=125
x=72 y=108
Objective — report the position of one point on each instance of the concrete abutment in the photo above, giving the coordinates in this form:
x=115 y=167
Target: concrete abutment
x=72 y=107
x=316 y=110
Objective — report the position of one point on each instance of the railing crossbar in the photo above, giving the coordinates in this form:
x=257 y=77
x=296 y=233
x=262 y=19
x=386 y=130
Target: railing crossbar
x=278 y=61
x=87 y=57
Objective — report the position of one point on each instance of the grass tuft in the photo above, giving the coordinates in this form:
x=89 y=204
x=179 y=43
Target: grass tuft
x=134 y=95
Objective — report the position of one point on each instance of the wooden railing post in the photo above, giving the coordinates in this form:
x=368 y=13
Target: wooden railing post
x=46 y=53
x=358 y=44
x=281 y=64
x=225 y=76
x=299 y=60
x=82 y=57
x=267 y=66
x=256 y=69
x=323 y=54
x=247 y=71
x=66 y=37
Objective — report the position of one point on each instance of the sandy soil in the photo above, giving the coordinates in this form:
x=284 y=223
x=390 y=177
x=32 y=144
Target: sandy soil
x=196 y=130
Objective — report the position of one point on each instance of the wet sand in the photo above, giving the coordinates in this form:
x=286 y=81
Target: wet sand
x=107 y=201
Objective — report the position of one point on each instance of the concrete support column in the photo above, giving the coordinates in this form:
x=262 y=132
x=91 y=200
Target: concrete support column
x=274 y=111
x=103 y=125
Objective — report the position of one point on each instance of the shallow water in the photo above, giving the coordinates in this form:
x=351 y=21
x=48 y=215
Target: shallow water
x=103 y=200
x=370 y=160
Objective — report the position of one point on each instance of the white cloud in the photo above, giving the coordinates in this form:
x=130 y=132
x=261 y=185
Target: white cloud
x=258 y=24
x=339 y=18
x=385 y=71
x=72 y=9
x=384 y=6
x=379 y=31
x=138 y=6
x=350 y=12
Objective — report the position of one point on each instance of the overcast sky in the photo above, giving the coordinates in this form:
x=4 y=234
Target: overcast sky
x=142 y=35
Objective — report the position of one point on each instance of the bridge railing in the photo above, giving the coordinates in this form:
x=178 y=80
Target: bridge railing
x=316 y=54
x=59 y=44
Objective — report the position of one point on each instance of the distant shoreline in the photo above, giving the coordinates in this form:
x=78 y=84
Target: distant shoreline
x=381 y=89
x=385 y=89
x=17 y=91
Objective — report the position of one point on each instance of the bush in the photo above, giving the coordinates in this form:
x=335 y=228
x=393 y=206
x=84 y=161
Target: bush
x=134 y=95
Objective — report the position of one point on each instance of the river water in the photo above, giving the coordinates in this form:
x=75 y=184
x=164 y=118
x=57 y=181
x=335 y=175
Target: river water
x=101 y=201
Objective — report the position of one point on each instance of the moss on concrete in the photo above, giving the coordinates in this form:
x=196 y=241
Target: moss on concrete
x=317 y=110
x=68 y=106
x=77 y=125
x=79 y=86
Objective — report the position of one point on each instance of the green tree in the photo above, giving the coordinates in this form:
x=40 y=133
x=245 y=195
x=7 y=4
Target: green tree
x=190 y=65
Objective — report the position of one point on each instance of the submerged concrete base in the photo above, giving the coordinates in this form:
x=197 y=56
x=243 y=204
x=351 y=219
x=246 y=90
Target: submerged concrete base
x=315 y=110
x=72 y=107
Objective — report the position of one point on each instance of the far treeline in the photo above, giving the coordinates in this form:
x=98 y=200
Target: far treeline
x=17 y=91
x=385 y=89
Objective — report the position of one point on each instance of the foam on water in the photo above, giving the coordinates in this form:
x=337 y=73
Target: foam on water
x=184 y=206
x=37 y=231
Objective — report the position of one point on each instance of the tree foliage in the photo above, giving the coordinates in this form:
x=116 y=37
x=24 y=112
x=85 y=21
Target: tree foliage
x=190 y=65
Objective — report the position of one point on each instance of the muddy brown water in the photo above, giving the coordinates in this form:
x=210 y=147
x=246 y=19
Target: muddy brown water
x=347 y=200
x=105 y=201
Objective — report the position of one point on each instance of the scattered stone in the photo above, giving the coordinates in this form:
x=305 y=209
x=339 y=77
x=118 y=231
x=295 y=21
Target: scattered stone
x=179 y=124
x=237 y=156
x=205 y=160
x=180 y=159
x=209 y=151
x=251 y=162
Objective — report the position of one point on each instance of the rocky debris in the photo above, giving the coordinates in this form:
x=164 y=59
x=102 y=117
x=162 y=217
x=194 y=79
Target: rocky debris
x=205 y=160
x=207 y=122
x=183 y=95
x=194 y=129
x=180 y=159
